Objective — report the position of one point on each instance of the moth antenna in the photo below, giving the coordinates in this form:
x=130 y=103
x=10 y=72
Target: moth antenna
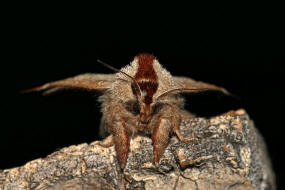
x=181 y=89
x=138 y=89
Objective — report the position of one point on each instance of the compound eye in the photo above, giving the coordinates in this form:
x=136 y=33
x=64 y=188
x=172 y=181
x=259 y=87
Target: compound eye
x=133 y=106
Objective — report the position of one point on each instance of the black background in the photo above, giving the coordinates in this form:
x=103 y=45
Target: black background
x=239 y=47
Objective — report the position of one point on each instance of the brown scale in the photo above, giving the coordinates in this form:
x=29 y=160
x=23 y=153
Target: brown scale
x=146 y=77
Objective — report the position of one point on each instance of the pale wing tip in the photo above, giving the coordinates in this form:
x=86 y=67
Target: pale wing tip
x=35 y=89
x=226 y=92
x=29 y=90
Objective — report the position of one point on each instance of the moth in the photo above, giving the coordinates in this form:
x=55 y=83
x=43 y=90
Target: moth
x=142 y=98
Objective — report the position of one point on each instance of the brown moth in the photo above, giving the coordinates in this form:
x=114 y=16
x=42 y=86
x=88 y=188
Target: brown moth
x=141 y=98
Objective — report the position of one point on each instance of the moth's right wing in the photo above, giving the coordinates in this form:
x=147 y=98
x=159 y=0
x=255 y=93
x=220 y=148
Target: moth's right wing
x=188 y=83
x=86 y=81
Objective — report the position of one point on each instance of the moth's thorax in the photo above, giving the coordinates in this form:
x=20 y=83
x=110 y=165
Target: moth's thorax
x=146 y=77
x=145 y=70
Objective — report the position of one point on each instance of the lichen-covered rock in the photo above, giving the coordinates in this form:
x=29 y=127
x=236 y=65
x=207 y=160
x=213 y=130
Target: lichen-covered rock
x=229 y=153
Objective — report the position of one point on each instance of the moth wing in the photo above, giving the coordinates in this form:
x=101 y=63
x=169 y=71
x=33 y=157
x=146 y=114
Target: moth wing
x=188 y=83
x=87 y=81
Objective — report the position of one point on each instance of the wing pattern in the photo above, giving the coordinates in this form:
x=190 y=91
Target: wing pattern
x=188 y=83
x=86 y=81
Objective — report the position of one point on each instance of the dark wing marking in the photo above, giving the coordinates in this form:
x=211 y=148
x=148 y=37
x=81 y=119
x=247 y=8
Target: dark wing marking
x=188 y=83
x=86 y=81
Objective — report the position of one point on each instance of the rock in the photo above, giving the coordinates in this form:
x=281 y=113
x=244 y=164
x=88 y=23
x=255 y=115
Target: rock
x=230 y=154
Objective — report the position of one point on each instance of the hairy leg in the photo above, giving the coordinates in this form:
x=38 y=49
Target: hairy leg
x=167 y=121
x=117 y=121
x=176 y=121
x=160 y=138
x=122 y=143
x=180 y=136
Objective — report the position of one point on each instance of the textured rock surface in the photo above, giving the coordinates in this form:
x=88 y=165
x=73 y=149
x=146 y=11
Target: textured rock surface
x=229 y=154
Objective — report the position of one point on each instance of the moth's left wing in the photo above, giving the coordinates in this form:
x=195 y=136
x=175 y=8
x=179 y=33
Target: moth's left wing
x=86 y=81
x=188 y=83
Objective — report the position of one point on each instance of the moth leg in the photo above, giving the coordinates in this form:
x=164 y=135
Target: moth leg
x=180 y=136
x=176 y=120
x=122 y=142
x=160 y=138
